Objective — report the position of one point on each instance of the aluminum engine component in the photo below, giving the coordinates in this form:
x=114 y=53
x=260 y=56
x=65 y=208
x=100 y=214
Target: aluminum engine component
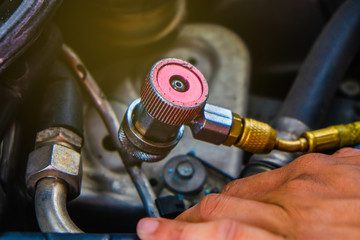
x=224 y=61
x=55 y=157
x=108 y=21
x=124 y=148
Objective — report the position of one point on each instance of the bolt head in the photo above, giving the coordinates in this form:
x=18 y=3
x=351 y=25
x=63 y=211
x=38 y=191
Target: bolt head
x=187 y=175
x=185 y=169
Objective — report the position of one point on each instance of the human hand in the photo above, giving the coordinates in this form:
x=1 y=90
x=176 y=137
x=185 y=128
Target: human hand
x=316 y=196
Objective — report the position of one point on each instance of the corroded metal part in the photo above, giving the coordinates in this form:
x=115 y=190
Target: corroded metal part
x=59 y=135
x=54 y=160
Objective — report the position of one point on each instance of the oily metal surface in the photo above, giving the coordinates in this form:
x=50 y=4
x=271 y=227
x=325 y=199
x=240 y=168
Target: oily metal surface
x=223 y=59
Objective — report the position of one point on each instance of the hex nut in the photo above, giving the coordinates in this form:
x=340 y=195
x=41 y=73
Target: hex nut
x=59 y=135
x=213 y=125
x=235 y=130
x=56 y=161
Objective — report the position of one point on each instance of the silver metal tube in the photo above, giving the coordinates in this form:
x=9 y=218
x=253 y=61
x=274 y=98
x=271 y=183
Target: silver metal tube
x=148 y=197
x=113 y=125
x=97 y=96
x=50 y=207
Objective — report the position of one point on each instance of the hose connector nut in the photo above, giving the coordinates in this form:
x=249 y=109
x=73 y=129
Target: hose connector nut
x=257 y=137
x=54 y=161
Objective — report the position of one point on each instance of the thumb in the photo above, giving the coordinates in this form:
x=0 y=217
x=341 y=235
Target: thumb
x=151 y=229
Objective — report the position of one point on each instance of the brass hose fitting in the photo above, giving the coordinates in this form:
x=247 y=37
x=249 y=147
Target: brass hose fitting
x=258 y=137
x=251 y=135
x=235 y=130
x=333 y=137
x=300 y=145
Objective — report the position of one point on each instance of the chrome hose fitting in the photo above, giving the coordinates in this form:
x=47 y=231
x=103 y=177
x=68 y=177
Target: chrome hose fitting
x=173 y=94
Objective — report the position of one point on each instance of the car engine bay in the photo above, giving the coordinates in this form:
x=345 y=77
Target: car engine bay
x=119 y=109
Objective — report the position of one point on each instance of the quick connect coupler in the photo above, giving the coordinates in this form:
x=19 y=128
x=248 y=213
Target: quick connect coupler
x=175 y=93
x=258 y=137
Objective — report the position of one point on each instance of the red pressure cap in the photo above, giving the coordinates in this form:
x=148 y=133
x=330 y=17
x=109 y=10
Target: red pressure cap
x=174 y=92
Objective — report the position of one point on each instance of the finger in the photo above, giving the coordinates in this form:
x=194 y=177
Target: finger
x=219 y=206
x=348 y=157
x=325 y=231
x=347 y=152
x=256 y=186
x=334 y=209
x=159 y=229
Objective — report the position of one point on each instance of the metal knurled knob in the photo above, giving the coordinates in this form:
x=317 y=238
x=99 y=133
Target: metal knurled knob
x=257 y=137
x=174 y=92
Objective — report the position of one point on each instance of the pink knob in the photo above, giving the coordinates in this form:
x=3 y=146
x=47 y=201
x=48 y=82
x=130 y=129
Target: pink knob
x=174 y=92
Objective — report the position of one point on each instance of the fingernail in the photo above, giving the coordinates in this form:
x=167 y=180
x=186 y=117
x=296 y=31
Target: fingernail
x=147 y=226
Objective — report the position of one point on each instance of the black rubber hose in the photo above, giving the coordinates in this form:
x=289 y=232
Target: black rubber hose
x=62 y=103
x=23 y=28
x=21 y=78
x=326 y=64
